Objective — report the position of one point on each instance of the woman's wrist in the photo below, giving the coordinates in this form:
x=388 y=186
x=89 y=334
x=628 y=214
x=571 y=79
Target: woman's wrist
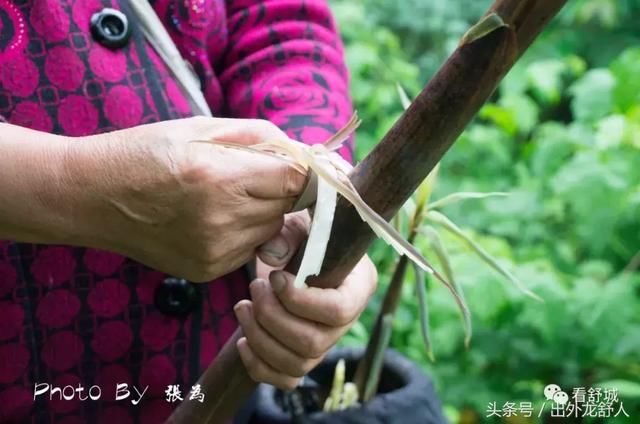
x=93 y=171
x=49 y=185
x=31 y=190
x=119 y=184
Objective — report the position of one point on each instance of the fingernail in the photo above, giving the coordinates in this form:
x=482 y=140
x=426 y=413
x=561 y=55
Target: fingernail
x=241 y=310
x=277 y=247
x=255 y=286
x=241 y=343
x=278 y=281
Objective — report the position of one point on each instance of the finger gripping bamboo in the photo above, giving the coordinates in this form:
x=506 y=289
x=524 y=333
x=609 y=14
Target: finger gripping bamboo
x=388 y=176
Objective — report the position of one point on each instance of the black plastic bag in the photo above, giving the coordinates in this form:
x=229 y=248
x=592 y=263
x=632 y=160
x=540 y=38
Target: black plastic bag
x=405 y=396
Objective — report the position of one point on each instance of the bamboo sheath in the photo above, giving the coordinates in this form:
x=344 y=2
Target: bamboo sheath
x=388 y=176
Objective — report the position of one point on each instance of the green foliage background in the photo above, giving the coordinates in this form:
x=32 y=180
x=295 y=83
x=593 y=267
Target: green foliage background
x=562 y=135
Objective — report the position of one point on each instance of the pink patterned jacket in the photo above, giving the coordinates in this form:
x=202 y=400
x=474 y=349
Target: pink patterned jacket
x=75 y=316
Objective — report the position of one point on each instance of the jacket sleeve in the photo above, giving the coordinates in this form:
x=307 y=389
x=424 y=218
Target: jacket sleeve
x=285 y=63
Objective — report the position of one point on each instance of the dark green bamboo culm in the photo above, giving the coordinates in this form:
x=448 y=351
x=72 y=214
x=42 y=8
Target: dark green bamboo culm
x=388 y=176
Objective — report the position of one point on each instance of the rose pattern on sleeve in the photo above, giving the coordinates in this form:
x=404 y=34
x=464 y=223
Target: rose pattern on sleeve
x=286 y=64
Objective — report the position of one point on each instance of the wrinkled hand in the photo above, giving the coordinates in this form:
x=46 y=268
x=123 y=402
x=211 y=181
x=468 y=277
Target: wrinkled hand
x=288 y=331
x=166 y=195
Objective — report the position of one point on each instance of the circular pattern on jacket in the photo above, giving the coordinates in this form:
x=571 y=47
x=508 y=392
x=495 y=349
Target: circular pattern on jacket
x=57 y=308
x=31 y=115
x=14 y=359
x=13 y=34
x=82 y=11
x=77 y=116
x=11 y=319
x=62 y=406
x=108 y=379
x=158 y=331
x=109 y=65
x=123 y=107
x=64 y=68
x=102 y=262
x=50 y=20
x=157 y=373
x=62 y=350
x=53 y=265
x=112 y=340
x=16 y=403
x=147 y=284
x=19 y=76
x=109 y=298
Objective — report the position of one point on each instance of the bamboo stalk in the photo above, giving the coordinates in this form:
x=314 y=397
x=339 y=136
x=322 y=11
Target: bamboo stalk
x=377 y=361
x=387 y=177
x=390 y=303
x=366 y=370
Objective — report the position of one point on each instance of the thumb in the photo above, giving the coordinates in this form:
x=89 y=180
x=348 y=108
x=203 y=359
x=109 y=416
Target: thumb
x=278 y=251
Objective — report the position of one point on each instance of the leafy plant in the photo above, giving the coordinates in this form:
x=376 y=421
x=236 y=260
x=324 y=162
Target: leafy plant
x=562 y=136
x=424 y=219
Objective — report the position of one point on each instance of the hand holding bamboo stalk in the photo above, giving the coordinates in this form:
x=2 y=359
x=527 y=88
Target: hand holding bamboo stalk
x=288 y=330
x=388 y=176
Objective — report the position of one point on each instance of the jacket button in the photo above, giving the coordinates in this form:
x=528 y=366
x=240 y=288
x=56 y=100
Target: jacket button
x=111 y=28
x=176 y=297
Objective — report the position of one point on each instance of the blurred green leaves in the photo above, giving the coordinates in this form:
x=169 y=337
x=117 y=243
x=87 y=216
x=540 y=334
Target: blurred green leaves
x=562 y=136
x=376 y=63
x=593 y=95
x=626 y=70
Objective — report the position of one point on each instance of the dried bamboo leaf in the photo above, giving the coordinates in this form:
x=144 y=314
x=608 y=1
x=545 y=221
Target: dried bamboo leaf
x=423 y=310
x=378 y=224
x=318 y=234
x=271 y=148
x=318 y=158
x=371 y=385
x=457 y=197
x=385 y=231
x=443 y=257
x=447 y=224
x=343 y=134
x=259 y=149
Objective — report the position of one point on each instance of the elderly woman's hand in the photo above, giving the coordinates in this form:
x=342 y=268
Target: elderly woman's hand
x=288 y=330
x=166 y=195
